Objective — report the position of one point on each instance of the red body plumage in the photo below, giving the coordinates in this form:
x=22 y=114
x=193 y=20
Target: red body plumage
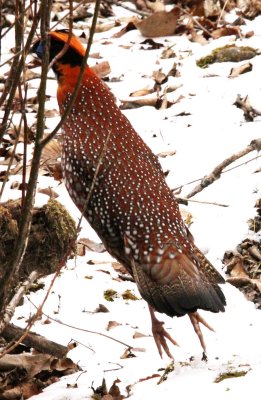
x=130 y=206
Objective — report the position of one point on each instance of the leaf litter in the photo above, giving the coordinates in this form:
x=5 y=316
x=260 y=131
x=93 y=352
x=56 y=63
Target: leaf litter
x=192 y=148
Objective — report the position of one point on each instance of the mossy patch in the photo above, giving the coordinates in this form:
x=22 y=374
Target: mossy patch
x=52 y=237
x=227 y=53
x=110 y=294
x=128 y=295
x=229 y=374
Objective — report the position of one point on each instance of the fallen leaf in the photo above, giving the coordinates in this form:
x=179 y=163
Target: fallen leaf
x=225 y=31
x=165 y=154
x=138 y=335
x=115 y=391
x=91 y=245
x=101 y=309
x=49 y=192
x=131 y=25
x=230 y=374
x=128 y=295
x=155 y=5
x=118 y=267
x=168 y=53
x=170 y=368
x=160 y=23
x=159 y=77
x=127 y=354
x=151 y=45
x=242 y=69
x=110 y=294
x=112 y=324
x=102 y=69
x=141 y=92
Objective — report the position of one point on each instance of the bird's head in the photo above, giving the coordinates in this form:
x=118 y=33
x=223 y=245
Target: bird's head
x=73 y=54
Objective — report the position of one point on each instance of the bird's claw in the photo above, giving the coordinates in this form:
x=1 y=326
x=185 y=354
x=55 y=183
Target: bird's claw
x=196 y=319
x=160 y=335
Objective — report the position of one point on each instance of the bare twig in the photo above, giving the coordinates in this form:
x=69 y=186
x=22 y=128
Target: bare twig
x=15 y=73
x=10 y=309
x=82 y=329
x=218 y=170
x=25 y=221
x=185 y=201
x=139 y=12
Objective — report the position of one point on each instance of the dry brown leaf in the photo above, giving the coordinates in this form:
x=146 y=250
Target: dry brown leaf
x=112 y=324
x=225 y=31
x=101 y=309
x=138 y=335
x=63 y=364
x=161 y=23
x=257 y=170
x=102 y=69
x=115 y=391
x=141 y=92
x=159 y=77
x=242 y=69
x=49 y=192
x=197 y=38
x=211 y=8
x=236 y=268
x=131 y=25
x=155 y=5
x=127 y=354
x=118 y=267
x=168 y=53
x=165 y=154
x=105 y=27
x=144 y=101
x=51 y=152
x=22 y=391
x=91 y=245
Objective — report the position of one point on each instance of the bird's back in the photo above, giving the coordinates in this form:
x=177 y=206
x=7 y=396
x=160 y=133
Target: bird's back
x=131 y=207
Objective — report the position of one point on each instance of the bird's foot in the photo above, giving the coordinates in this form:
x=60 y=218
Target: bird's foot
x=160 y=335
x=196 y=319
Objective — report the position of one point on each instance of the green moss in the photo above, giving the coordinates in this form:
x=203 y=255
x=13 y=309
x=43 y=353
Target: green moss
x=110 y=294
x=128 y=295
x=229 y=374
x=52 y=237
x=227 y=53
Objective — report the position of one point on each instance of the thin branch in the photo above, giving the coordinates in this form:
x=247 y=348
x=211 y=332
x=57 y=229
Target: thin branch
x=184 y=200
x=25 y=221
x=219 y=169
x=82 y=329
x=119 y=4
x=10 y=309
x=10 y=163
x=69 y=13
x=15 y=74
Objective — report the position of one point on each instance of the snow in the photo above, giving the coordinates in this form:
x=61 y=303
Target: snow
x=214 y=130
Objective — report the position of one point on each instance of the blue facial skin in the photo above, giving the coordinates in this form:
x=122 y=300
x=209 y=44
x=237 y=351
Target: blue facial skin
x=39 y=50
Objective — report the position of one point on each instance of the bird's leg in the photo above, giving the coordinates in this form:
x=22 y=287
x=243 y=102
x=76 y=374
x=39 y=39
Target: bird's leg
x=160 y=334
x=196 y=319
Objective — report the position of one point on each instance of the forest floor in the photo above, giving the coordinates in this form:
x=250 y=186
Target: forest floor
x=199 y=130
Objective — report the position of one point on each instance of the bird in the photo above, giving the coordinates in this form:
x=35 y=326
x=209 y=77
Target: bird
x=119 y=186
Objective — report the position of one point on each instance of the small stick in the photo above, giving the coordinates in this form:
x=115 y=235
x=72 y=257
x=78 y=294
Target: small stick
x=218 y=170
x=10 y=309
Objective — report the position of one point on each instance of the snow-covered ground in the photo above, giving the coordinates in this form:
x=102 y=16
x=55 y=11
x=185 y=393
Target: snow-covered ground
x=214 y=130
